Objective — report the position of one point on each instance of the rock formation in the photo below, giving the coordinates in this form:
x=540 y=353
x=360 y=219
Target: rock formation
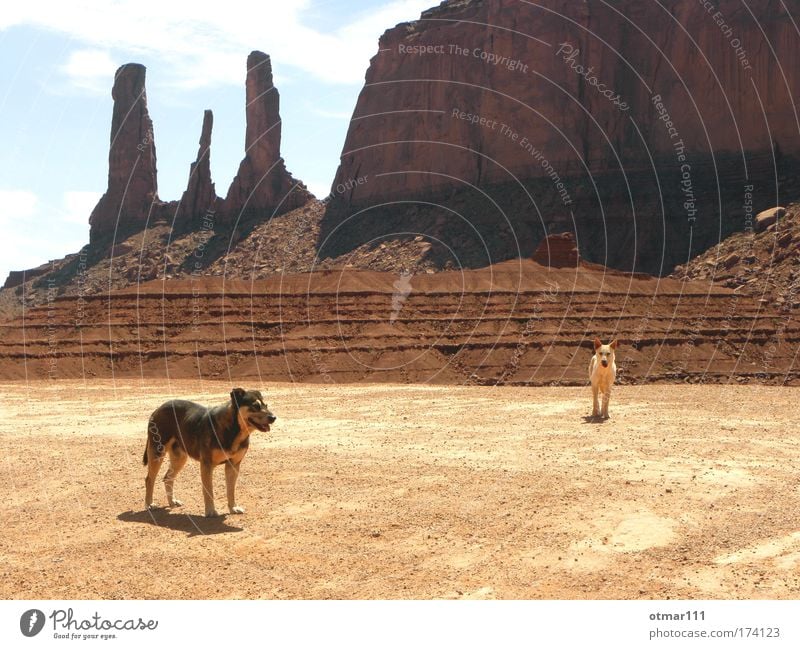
x=200 y=195
x=132 y=185
x=641 y=126
x=262 y=186
x=131 y=206
x=557 y=251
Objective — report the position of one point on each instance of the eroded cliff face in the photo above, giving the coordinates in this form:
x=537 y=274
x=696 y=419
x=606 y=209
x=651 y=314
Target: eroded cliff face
x=647 y=129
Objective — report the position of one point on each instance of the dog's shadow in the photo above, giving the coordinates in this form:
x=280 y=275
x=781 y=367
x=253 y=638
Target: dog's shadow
x=180 y=522
x=594 y=419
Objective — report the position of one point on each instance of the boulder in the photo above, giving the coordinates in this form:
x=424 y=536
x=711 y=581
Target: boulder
x=557 y=251
x=731 y=260
x=769 y=217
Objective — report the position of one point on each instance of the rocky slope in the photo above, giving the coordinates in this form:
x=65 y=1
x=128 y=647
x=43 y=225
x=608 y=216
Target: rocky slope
x=763 y=263
x=650 y=130
x=514 y=323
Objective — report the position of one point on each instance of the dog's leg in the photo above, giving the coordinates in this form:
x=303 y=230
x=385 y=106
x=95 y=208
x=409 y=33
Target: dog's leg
x=177 y=460
x=206 y=475
x=595 y=402
x=606 y=398
x=231 y=475
x=153 y=467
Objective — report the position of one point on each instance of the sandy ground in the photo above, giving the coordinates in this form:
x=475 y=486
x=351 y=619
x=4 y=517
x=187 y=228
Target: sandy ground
x=390 y=491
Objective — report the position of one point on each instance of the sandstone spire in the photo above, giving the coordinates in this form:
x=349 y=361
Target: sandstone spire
x=262 y=185
x=132 y=184
x=200 y=195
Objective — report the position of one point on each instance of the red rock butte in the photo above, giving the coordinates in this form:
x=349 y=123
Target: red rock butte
x=640 y=126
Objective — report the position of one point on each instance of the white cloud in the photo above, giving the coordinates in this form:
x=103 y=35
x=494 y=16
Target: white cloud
x=90 y=69
x=16 y=205
x=204 y=43
x=78 y=205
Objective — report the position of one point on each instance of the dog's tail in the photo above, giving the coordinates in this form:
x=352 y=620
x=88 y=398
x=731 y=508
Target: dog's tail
x=144 y=459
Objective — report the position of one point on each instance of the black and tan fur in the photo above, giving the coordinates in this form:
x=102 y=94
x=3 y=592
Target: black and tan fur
x=217 y=435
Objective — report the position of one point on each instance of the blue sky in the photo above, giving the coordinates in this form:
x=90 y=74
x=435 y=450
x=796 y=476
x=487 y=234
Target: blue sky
x=57 y=62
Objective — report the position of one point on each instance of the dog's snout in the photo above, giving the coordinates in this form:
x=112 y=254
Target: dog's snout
x=271 y=419
x=604 y=362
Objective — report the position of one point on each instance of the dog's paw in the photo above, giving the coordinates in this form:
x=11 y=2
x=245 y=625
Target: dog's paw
x=213 y=513
x=152 y=507
x=236 y=510
x=176 y=503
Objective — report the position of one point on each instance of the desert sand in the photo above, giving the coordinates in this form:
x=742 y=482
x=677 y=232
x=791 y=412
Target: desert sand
x=398 y=491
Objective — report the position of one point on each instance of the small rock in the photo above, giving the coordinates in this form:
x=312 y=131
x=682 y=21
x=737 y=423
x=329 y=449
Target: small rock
x=730 y=260
x=769 y=217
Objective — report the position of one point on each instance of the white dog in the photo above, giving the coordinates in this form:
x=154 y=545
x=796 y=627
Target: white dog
x=602 y=372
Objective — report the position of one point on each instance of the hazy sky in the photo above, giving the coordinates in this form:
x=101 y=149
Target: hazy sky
x=57 y=63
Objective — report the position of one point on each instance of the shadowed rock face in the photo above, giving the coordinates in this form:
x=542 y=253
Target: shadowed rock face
x=262 y=185
x=571 y=115
x=132 y=185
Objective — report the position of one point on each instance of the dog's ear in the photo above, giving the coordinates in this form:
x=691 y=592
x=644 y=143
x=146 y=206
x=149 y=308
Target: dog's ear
x=597 y=344
x=237 y=394
x=613 y=344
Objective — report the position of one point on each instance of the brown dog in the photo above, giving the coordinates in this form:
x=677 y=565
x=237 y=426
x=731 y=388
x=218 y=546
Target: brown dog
x=185 y=429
